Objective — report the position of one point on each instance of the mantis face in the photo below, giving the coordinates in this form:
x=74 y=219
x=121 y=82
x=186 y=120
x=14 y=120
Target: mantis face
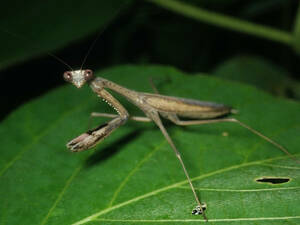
x=78 y=77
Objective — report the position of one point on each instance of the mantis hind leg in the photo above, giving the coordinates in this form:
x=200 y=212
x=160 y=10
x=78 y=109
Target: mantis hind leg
x=174 y=118
x=156 y=118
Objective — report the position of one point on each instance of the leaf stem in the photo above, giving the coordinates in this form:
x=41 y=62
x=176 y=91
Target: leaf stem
x=297 y=31
x=224 y=21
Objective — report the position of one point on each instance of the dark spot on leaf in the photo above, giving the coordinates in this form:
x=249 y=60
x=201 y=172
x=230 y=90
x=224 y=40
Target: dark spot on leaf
x=273 y=180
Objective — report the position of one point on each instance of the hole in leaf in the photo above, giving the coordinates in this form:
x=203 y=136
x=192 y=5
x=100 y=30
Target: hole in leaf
x=273 y=180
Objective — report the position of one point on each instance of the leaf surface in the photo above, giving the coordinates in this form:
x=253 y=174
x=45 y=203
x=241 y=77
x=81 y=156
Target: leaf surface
x=133 y=176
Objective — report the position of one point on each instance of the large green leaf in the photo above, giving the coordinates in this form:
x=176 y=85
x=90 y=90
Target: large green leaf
x=133 y=176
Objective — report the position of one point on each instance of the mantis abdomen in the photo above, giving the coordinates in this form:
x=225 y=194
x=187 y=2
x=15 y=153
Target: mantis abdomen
x=189 y=108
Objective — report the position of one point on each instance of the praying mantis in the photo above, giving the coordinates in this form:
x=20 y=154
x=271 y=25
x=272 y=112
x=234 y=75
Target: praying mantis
x=154 y=107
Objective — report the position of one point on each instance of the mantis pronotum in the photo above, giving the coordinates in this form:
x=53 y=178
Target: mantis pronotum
x=154 y=106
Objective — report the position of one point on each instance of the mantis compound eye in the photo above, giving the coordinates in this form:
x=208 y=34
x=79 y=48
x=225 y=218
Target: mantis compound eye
x=68 y=76
x=88 y=75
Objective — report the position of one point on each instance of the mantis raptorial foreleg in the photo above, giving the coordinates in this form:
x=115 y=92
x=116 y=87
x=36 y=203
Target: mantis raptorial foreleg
x=92 y=137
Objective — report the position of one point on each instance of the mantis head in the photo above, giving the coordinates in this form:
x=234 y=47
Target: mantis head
x=79 y=77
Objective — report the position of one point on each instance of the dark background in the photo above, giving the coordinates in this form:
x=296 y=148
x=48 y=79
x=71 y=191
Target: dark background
x=144 y=33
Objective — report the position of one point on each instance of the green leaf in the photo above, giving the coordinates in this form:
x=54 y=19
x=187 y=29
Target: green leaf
x=133 y=177
x=261 y=73
x=32 y=27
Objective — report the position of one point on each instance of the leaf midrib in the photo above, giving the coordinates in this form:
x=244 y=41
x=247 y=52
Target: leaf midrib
x=199 y=220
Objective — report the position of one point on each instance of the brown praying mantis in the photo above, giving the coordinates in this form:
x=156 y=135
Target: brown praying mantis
x=154 y=106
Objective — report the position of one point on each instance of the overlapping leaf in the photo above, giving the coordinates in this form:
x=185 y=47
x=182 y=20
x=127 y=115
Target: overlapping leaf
x=30 y=28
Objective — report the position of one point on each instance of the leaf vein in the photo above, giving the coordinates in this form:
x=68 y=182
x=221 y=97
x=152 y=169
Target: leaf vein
x=280 y=166
x=242 y=190
x=59 y=197
x=133 y=171
x=201 y=220
x=38 y=137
